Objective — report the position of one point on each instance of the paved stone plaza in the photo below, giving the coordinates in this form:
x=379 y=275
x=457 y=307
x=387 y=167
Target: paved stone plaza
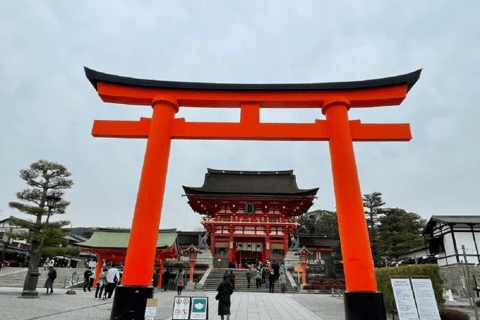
x=251 y=306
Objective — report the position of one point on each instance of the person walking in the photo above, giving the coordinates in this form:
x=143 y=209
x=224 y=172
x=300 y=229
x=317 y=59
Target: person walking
x=271 y=281
x=276 y=270
x=165 y=277
x=249 y=277
x=258 y=278
x=180 y=281
x=231 y=276
x=225 y=290
x=283 y=282
x=113 y=277
x=51 y=276
x=155 y=279
x=46 y=263
x=86 y=280
x=264 y=274
x=101 y=284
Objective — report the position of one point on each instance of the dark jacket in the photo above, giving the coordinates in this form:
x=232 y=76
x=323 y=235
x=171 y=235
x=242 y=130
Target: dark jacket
x=156 y=279
x=87 y=274
x=271 y=278
x=231 y=276
x=225 y=290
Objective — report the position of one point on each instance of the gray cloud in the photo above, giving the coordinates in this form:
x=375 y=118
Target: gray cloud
x=48 y=106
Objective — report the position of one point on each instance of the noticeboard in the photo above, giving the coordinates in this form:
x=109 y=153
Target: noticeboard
x=404 y=299
x=151 y=309
x=199 y=309
x=181 y=307
x=425 y=297
x=297 y=267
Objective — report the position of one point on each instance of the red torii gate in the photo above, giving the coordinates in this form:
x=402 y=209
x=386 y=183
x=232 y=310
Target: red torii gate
x=362 y=301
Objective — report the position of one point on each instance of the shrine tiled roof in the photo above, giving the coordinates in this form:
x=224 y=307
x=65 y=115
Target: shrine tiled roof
x=228 y=182
x=118 y=239
x=450 y=220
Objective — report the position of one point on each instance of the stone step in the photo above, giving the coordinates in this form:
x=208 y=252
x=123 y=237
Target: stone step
x=216 y=277
x=15 y=277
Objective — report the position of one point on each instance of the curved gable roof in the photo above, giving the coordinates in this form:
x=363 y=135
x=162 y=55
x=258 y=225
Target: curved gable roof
x=118 y=239
x=224 y=182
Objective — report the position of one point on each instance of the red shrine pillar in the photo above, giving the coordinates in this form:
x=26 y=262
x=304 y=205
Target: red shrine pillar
x=358 y=265
x=140 y=259
x=98 y=270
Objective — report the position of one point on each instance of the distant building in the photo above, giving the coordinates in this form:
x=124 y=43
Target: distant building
x=447 y=236
x=13 y=251
x=249 y=214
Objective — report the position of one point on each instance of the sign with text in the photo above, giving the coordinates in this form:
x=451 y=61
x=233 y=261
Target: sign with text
x=199 y=308
x=402 y=291
x=425 y=297
x=151 y=309
x=181 y=307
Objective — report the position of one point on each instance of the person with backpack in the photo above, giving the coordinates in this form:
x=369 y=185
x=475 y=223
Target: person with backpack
x=258 y=278
x=113 y=277
x=52 y=275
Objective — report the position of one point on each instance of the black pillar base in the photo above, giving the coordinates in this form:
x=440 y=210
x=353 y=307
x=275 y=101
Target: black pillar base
x=129 y=302
x=364 y=305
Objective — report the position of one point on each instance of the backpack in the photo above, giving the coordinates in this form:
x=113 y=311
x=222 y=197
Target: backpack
x=52 y=274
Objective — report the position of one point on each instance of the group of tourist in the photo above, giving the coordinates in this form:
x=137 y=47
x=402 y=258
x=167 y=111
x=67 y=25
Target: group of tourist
x=267 y=275
x=106 y=282
x=180 y=280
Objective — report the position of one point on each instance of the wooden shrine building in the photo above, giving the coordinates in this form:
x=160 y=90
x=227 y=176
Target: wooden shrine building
x=110 y=245
x=249 y=214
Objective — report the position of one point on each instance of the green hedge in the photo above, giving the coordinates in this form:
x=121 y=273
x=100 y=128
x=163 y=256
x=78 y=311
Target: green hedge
x=425 y=270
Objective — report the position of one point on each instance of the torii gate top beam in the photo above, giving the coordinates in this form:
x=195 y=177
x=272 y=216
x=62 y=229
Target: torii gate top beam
x=250 y=98
x=367 y=93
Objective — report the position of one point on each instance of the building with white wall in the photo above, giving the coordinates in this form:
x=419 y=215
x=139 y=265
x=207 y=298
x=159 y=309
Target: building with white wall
x=447 y=236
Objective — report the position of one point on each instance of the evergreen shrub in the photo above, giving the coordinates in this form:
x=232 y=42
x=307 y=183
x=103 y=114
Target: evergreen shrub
x=425 y=270
x=450 y=314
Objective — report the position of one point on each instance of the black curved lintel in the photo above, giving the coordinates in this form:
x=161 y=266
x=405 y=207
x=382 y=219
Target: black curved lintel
x=410 y=79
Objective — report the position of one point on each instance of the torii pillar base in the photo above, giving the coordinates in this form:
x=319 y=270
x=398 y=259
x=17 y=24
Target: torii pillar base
x=364 y=305
x=130 y=302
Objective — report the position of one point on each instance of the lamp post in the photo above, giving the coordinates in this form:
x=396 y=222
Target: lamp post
x=303 y=254
x=192 y=252
x=31 y=281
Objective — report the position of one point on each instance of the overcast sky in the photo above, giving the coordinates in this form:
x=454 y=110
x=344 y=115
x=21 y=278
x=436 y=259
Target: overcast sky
x=48 y=106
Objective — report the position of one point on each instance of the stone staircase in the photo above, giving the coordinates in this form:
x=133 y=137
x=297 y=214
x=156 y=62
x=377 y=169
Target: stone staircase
x=216 y=277
x=15 y=277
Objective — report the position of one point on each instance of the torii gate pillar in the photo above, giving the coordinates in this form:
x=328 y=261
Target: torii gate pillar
x=362 y=301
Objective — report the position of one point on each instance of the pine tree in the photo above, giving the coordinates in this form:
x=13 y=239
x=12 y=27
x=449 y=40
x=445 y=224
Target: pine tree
x=373 y=202
x=46 y=179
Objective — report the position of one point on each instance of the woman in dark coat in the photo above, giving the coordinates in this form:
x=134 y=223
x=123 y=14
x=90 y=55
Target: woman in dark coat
x=225 y=290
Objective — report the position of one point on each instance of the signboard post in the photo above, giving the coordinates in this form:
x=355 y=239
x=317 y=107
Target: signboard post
x=181 y=307
x=425 y=297
x=402 y=291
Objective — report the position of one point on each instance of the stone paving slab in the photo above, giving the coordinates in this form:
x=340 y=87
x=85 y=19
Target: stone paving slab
x=245 y=306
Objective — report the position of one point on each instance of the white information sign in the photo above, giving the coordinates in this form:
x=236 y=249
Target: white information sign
x=181 y=307
x=402 y=291
x=427 y=305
